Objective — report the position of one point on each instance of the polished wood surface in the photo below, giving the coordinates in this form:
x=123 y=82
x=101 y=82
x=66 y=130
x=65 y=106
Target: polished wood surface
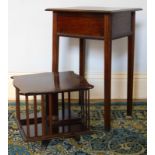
x=82 y=57
x=131 y=40
x=50 y=82
x=97 y=23
x=121 y=24
x=107 y=70
x=68 y=24
x=71 y=126
x=42 y=119
x=93 y=9
x=17 y=104
x=55 y=53
x=73 y=22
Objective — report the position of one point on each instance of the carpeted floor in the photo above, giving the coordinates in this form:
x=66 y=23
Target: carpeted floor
x=127 y=137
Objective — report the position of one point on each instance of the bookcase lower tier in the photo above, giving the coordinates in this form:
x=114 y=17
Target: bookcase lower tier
x=37 y=120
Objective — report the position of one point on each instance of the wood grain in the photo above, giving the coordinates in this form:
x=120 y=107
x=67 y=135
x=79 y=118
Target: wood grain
x=131 y=40
x=77 y=24
x=107 y=70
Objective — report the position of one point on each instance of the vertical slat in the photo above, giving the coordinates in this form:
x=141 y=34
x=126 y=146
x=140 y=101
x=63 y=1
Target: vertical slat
x=81 y=103
x=86 y=112
x=35 y=116
x=88 y=109
x=80 y=99
x=84 y=104
x=27 y=116
x=43 y=115
x=63 y=108
x=50 y=113
x=55 y=113
x=17 y=104
x=69 y=108
x=47 y=105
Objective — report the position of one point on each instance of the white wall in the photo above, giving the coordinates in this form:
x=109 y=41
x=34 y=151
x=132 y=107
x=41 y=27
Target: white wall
x=30 y=38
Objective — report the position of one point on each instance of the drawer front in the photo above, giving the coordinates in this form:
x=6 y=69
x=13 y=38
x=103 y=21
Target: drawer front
x=80 y=24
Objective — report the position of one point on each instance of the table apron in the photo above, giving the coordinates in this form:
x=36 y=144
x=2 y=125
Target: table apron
x=91 y=26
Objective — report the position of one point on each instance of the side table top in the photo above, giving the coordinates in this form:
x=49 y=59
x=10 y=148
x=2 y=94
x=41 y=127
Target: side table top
x=50 y=82
x=92 y=9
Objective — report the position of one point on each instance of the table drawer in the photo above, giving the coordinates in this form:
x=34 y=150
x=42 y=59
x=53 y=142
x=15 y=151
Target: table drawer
x=81 y=24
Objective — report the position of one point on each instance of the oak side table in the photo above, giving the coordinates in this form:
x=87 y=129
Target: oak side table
x=96 y=23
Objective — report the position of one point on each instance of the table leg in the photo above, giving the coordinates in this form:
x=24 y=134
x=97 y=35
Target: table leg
x=55 y=54
x=55 y=64
x=131 y=39
x=17 y=104
x=81 y=65
x=53 y=101
x=107 y=71
x=82 y=57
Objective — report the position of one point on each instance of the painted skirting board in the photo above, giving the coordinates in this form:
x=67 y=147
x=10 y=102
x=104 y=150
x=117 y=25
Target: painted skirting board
x=119 y=86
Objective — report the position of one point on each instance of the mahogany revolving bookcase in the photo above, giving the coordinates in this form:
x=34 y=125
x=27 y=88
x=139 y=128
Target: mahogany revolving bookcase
x=38 y=121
